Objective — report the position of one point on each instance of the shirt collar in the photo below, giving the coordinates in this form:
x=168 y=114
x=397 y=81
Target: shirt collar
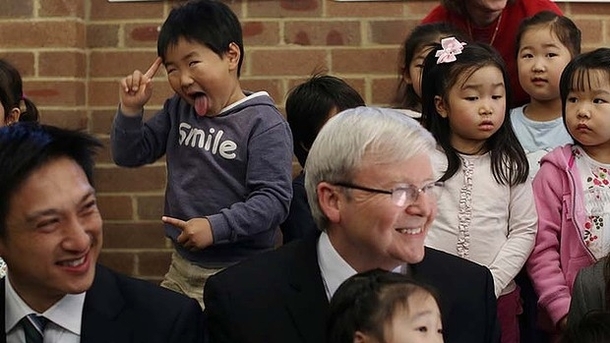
x=62 y=313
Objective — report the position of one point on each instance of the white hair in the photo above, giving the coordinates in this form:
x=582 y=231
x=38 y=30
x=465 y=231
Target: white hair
x=385 y=134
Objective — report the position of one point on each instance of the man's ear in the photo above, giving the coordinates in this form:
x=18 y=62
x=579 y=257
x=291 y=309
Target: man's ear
x=329 y=201
x=13 y=116
x=233 y=55
x=440 y=105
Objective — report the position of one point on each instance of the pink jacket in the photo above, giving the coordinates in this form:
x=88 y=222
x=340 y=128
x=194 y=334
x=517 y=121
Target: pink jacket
x=559 y=252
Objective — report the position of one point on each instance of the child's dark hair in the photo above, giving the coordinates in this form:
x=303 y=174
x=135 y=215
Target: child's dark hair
x=12 y=87
x=208 y=22
x=566 y=31
x=576 y=75
x=309 y=104
x=420 y=36
x=508 y=161
x=594 y=327
x=367 y=301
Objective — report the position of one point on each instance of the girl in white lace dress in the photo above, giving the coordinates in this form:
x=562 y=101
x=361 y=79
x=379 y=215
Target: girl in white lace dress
x=486 y=212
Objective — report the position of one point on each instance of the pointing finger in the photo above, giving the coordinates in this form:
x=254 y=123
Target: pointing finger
x=150 y=73
x=179 y=224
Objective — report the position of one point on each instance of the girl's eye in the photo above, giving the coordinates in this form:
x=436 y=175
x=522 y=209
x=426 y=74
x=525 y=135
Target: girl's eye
x=551 y=54
x=419 y=66
x=599 y=101
x=422 y=329
x=527 y=56
x=496 y=97
x=572 y=99
x=471 y=98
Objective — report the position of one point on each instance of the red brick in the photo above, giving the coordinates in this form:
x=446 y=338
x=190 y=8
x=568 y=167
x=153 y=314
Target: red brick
x=106 y=93
x=104 y=10
x=365 y=9
x=418 y=8
x=323 y=33
x=147 y=178
x=102 y=35
x=285 y=8
x=142 y=35
x=62 y=63
x=65 y=33
x=150 y=207
x=384 y=91
x=590 y=30
x=67 y=118
x=121 y=63
x=261 y=33
x=23 y=61
x=103 y=157
x=271 y=86
x=391 y=31
x=588 y=9
x=134 y=235
x=154 y=263
x=122 y=262
x=16 y=8
x=101 y=121
x=62 y=8
x=365 y=61
x=115 y=207
x=292 y=61
x=56 y=93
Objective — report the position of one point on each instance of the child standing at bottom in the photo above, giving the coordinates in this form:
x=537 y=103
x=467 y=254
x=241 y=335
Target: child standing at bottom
x=486 y=213
x=380 y=306
x=228 y=152
x=572 y=188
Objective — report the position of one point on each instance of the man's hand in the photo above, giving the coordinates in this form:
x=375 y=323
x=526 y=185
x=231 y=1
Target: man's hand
x=196 y=232
x=136 y=89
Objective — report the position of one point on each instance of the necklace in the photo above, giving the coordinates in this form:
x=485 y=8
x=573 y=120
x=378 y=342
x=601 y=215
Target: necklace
x=493 y=36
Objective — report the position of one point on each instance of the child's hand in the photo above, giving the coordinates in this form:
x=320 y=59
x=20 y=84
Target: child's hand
x=136 y=89
x=196 y=232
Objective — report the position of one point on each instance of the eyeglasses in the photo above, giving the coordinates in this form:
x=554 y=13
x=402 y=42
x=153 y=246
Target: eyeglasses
x=403 y=194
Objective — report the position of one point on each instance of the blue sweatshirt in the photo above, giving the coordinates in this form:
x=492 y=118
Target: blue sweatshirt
x=234 y=169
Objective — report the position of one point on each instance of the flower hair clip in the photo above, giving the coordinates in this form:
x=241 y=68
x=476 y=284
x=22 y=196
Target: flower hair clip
x=451 y=47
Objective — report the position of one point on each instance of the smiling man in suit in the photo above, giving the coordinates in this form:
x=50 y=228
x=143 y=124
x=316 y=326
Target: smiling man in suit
x=50 y=238
x=370 y=186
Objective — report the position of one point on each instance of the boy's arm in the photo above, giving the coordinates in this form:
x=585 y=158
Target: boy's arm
x=269 y=183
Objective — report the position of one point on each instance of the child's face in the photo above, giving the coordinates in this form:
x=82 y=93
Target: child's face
x=541 y=59
x=201 y=77
x=420 y=322
x=475 y=107
x=412 y=74
x=588 y=112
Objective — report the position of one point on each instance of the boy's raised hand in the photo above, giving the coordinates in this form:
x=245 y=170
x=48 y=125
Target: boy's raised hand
x=196 y=233
x=136 y=89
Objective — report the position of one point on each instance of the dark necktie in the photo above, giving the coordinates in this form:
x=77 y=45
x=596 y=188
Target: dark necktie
x=33 y=327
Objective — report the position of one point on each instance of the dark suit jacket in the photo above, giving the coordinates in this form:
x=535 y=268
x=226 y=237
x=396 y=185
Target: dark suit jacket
x=299 y=223
x=279 y=297
x=588 y=293
x=120 y=309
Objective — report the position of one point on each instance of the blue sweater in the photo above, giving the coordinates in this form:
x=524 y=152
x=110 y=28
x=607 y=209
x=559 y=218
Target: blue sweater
x=234 y=169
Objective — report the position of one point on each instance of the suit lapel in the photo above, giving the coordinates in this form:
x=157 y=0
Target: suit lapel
x=2 y=318
x=306 y=299
x=103 y=305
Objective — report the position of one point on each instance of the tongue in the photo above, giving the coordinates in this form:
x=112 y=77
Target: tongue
x=201 y=105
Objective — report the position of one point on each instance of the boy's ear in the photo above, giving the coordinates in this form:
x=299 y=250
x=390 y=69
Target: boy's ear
x=440 y=105
x=233 y=55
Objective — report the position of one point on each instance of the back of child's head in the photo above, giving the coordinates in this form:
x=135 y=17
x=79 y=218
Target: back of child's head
x=368 y=301
x=13 y=96
x=594 y=327
x=208 y=22
x=420 y=37
x=310 y=104
x=579 y=74
x=437 y=81
x=562 y=27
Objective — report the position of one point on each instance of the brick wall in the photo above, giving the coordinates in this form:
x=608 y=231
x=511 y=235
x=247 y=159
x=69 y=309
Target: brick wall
x=73 y=52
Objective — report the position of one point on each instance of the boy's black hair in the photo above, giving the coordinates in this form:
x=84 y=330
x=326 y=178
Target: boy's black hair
x=566 y=31
x=422 y=35
x=508 y=161
x=309 y=104
x=26 y=147
x=367 y=301
x=12 y=87
x=207 y=22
